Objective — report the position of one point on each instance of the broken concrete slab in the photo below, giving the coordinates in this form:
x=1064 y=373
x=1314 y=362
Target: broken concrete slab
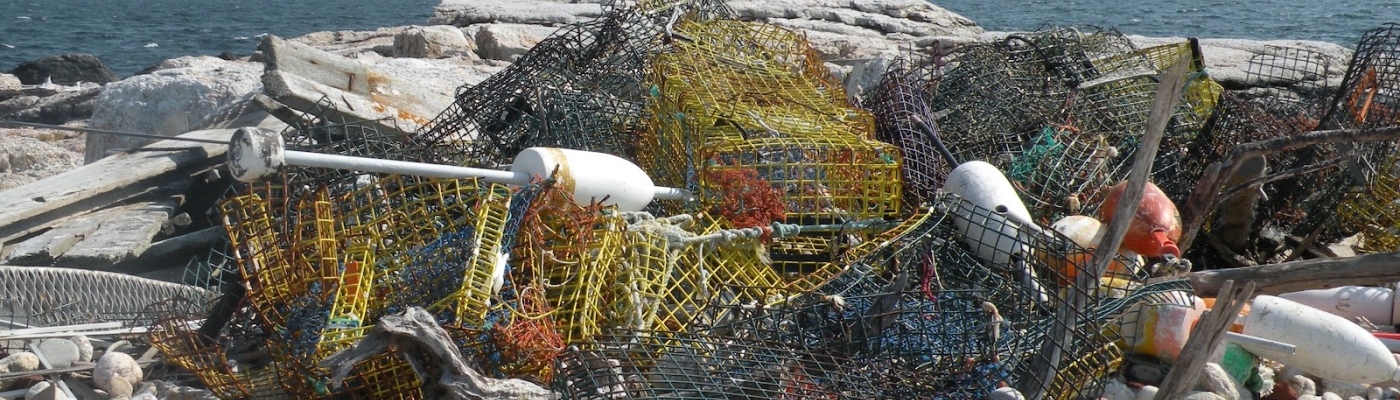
x=42 y=250
x=121 y=238
x=301 y=77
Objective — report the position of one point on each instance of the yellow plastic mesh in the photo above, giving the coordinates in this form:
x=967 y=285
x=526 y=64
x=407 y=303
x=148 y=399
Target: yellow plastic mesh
x=1376 y=210
x=1094 y=366
x=1202 y=93
x=736 y=95
x=487 y=266
x=574 y=251
x=186 y=349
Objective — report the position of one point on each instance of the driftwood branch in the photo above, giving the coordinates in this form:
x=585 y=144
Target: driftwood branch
x=1204 y=339
x=417 y=328
x=1293 y=276
x=1206 y=196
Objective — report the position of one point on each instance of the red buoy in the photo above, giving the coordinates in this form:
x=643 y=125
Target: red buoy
x=1156 y=226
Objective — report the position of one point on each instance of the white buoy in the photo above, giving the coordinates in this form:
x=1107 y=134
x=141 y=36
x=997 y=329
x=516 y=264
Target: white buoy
x=255 y=153
x=996 y=232
x=1375 y=303
x=1328 y=346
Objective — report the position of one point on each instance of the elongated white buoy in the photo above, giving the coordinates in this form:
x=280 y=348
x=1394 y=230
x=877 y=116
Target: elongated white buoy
x=255 y=153
x=1376 y=304
x=994 y=233
x=1328 y=346
x=997 y=231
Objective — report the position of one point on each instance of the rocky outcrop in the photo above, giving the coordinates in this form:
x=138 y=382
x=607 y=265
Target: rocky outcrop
x=174 y=99
x=353 y=43
x=506 y=42
x=49 y=104
x=27 y=155
x=537 y=12
x=860 y=29
x=66 y=69
x=1228 y=61
x=436 y=41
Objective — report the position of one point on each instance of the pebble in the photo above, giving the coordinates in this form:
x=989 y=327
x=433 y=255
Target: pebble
x=20 y=362
x=1217 y=381
x=1375 y=393
x=1330 y=396
x=116 y=370
x=1148 y=392
x=1302 y=385
x=84 y=348
x=1345 y=390
x=1115 y=390
x=61 y=353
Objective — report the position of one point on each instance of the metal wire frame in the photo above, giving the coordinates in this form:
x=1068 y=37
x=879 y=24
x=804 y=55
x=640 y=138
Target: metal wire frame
x=580 y=88
x=902 y=96
x=45 y=296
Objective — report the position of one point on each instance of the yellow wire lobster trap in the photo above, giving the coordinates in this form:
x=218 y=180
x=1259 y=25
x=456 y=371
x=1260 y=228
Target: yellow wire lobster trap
x=735 y=95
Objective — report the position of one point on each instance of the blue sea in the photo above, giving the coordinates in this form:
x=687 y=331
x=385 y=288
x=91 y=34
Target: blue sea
x=130 y=35
x=1337 y=21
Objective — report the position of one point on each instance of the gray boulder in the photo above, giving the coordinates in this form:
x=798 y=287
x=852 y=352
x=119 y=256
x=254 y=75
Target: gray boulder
x=169 y=101
x=65 y=69
x=506 y=42
x=546 y=12
x=433 y=42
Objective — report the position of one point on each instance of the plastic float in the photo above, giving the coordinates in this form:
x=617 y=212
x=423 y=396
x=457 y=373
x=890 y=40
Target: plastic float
x=1087 y=232
x=1155 y=227
x=1328 y=345
x=1376 y=304
x=994 y=227
x=255 y=153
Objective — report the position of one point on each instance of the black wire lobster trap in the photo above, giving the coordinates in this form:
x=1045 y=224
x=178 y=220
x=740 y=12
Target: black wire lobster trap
x=1059 y=110
x=581 y=88
x=926 y=316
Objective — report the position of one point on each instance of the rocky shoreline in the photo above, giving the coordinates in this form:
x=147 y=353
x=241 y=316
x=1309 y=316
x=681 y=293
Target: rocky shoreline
x=399 y=77
x=465 y=41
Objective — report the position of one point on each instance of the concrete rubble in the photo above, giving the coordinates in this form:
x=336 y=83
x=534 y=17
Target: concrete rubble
x=136 y=211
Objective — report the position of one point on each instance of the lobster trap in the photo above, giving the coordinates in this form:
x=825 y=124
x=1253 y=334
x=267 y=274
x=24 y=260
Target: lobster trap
x=736 y=95
x=1059 y=109
x=580 y=88
x=904 y=118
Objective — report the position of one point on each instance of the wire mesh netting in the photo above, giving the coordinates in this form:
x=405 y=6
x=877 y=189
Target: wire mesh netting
x=580 y=88
x=915 y=318
x=1367 y=100
x=1059 y=109
x=44 y=296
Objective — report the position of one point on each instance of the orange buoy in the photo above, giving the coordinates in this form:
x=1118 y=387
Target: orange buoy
x=1086 y=232
x=1156 y=226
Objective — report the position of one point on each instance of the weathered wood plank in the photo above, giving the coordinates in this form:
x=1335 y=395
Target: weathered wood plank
x=42 y=250
x=121 y=238
x=1321 y=273
x=25 y=209
x=300 y=76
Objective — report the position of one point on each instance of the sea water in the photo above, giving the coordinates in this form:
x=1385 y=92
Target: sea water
x=1337 y=21
x=130 y=35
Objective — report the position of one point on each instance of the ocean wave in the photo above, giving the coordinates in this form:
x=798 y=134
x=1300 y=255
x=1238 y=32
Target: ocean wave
x=151 y=45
